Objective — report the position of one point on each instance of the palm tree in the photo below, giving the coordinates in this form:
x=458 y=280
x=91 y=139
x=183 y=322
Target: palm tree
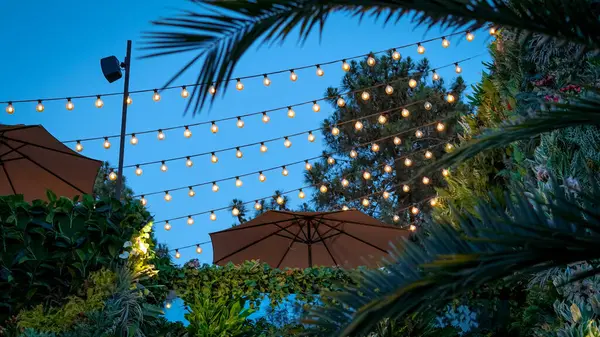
x=535 y=233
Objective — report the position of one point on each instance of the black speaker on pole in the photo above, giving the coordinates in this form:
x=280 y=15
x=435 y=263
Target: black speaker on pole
x=111 y=68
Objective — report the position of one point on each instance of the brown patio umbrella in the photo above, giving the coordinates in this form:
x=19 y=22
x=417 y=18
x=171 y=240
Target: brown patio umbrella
x=33 y=161
x=303 y=239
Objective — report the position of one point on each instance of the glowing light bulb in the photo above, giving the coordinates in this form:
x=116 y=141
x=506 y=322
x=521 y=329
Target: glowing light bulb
x=198 y=249
x=405 y=113
x=371 y=61
x=419 y=134
x=386 y=195
x=335 y=131
x=99 y=102
x=10 y=109
x=345 y=182
x=39 y=107
x=427 y=106
x=106 y=144
x=284 y=171
x=307 y=166
x=168 y=228
x=365 y=202
x=129 y=100
x=316 y=107
x=187 y=133
x=330 y=160
x=161 y=135
x=163 y=167
x=426 y=181
x=387 y=169
x=190 y=220
x=406 y=188
x=358 y=125
x=239 y=85
x=261 y=177
x=177 y=256
x=213 y=158
x=449 y=147
x=450 y=98
x=133 y=140
x=395 y=218
x=366 y=175
x=320 y=71
x=280 y=200
x=156 y=96
x=291 y=113
x=407 y=162
x=168 y=197
x=184 y=92
x=365 y=96
x=493 y=31
x=345 y=208
x=78 y=146
x=213 y=216
x=470 y=37
x=341 y=102
x=143 y=201
x=420 y=49
x=238 y=182
x=445 y=42
x=311 y=137
x=375 y=147
x=266 y=80
x=301 y=194
x=428 y=154
x=240 y=123
x=436 y=76
x=445 y=172
x=214 y=128
x=382 y=119
x=396 y=55
x=138 y=170
x=414 y=210
x=238 y=153
x=323 y=189
x=70 y=106
x=212 y=90
x=287 y=142
x=112 y=176
x=353 y=153
x=191 y=192
x=265 y=118
x=440 y=127
x=215 y=187
x=457 y=68
x=433 y=202
x=412 y=228
x=235 y=211
x=257 y=205
x=412 y=83
x=189 y=162
x=293 y=76
x=345 y=66
x=263 y=148
x=389 y=89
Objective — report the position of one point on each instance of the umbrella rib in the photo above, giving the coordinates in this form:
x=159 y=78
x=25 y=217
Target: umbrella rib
x=354 y=237
x=327 y=248
x=289 y=247
x=328 y=237
x=9 y=152
x=42 y=167
x=8 y=178
x=47 y=148
x=241 y=227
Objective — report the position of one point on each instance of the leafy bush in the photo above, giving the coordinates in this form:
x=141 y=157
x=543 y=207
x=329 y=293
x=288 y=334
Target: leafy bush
x=222 y=317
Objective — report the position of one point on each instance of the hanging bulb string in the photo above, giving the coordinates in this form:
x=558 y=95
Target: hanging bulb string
x=190 y=246
x=234 y=78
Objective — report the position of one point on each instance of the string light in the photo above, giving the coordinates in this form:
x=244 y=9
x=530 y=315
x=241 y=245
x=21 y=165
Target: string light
x=365 y=202
x=345 y=182
x=320 y=71
x=168 y=228
x=112 y=176
x=358 y=125
x=215 y=187
x=470 y=37
x=493 y=31
x=307 y=166
x=428 y=154
x=382 y=119
x=133 y=140
x=389 y=89
x=266 y=80
x=291 y=113
x=238 y=182
x=10 y=109
x=263 y=148
x=330 y=160
x=106 y=143
x=99 y=102
x=445 y=42
x=40 y=106
x=414 y=210
x=78 y=146
x=387 y=168
x=436 y=76
x=375 y=147
x=190 y=220
x=345 y=66
x=366 y=175
x=406 y=188
x=311 y=137
x=168 y=197
x=412 y=228
x=156 y=96
x=213 y=127
x=235 y=211
x=213 y=216
x=163 y=166
x=386 y=195
x=457 y=68
x=371 y=60
x=426 y=181
x=449 y=147
x=138 y=171
x=420 y=49
x=212 y=90
x=396 y=55
x=257 y=205
x=405 y=113
x=189 y=162
x=345 y=208
x=440 y=127
x=238 y=153
x=161 y=135
x=335 y=131
x=284 y=171
x=397 y=141
x=280 y=200
x=412 y=83
x=407 y=162
x=240 y=123
x=450 y=98
x=395 y=218
x=70 y=106
x=353 y=153
x=287 y=142
x=316 y=107
x=433 y=202
x=213 y=158
x=419 y=134
x=341 y=102
x=187 y=133
x=445 y=172
x=293 y=76
x=239 y=85
x=261 y=177
x=323 y=189
x=191 y=192
x=301 y=194
x=129 y=100
x=427 y=106
x=198 y=249
x=143 y=201
x=365 y=96
x=265 y=118
x=184 y=92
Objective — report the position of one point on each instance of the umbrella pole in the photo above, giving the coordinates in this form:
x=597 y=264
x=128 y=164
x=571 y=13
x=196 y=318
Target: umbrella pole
x=309 y=244
x=127 y=67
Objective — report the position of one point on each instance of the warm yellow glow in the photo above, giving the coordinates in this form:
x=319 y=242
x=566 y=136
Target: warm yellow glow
x=426 y=181
x=330 y=160
x=240 y=123
x=238 y=153
x=215 y=187
x=412 y=83
x=239 y=85
x=396 y=55
x=161 y=135
x=39 y=107
x=106 y=144
x=412 y=228
x=389 y=89
x=493 y=31
x=335 y=131
x=407 y=162
x=345 y=208
x=371 y=61
x=238 y=182
x=156 y=96
x=168 y=197
x=10 y=109
x=99 y=102
x=112 y=176
x=129 y=100
x=365 y=96
x=163 y=167
x=396 y=218
x=257 y=205
x=78 y=147
x=287 y=142
x=382 y=119
x=280 y=200
x=445 y=43
x=263 y=148
x=449 y=147
x=397 y=141
x=70 y=106
x=419 y=134
x=308 y=166
x=345 y=182
x=440 y=127
x=293 y=76
x=445 y=172
x=436 y=76
x=266 y=81
x=387 y=169
x=320 y=71
x=311 y=137
x=213 y=158
x=167 y=226
x=375 y=147
x=284 y=171
x=367 y=175
x=198 y=249
x=420 y=49
x=291 y=113
x=191 y=192
x=133 y=140
x=301 y=194
x=365 y=202
x=386 y=195
x=450 y=98
x=406 y=188
x=433 y=202
x=138 y=171
x=212 y=90
x=428 y=154
x=427 y=106
x=345 y=66
x=213 y=216
x=143 y=201
x=414 y=210
x=265 y=118
x=457 y=68
x=187 y=133
x=323 y=189
x=214 y=128
x=470 y=36
x=358 y=125
x=316 y=107
x=235 y=211
x=184 y=92
x=190 y=220
x=341 y=102
x=353 y=153
x=405 y=113
x=262 y=178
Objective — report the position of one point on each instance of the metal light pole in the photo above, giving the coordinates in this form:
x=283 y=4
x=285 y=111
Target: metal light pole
x=127 y=67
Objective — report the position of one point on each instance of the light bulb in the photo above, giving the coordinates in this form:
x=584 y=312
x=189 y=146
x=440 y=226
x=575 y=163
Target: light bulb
x=389 y=89
x=189 y=162
x=436 y=76
x=161 y=135
x=266 y=80
x=335 y=131
x=133 y=140
x=345 y=66
x=106 y=143
x=191 y=192
x=397 y=141
x=293 y=76
x=212 y=90
x=238 y=182
x=386 y=195
x=198 y=249
x=316 y=107
x=213 y=216
x=238 y=153
x=284 y=171
x=396 y=218
x=190 y=220
x=440 y=127
x=163 y=167
x=470 y=36
x=492 y=30
x=257 y=205
x=412 y=228
x=143 y=201
x=445 y=43
x=235 y=211
x=428 y=154
x=129 y=100
x=375 y=147
x=353 y=153
x=263 y=148
x=177 y=254
x=405 y=113
x=365 y=202
x=320 y=71
x=382 y=119
x=214 y=128
x=99 y=103
x=10 y=109
x=184 y=92
x=287 y=142
x=358 y=125
x=366 y=175
x=396 y=55
x=307 y=166
x=433 y=202
x=426 y=181
x=341 y=102
x=39 y=107
x=407 y=162
x=239 y=85
x=78 y=146
x=345 y=182
x=138 y=171
x=412 y=83
x=240 y=123
x=345 y=208
x=457 y=68
x=406 y=188
x=279 y=200
x=168 y=197
x=215 y=187
x=156 y=96
x=445 y=172
x=420 y=49
x=291 y=113
x=168 y=228
x=112 y=176
x=213 y=158
x=323 y=189
x=427 y=106
x=449 y=147
x=419 y=134
x=414 y=210
x=365 y=96
x=450 y=98
x=265 y=118
x=387 y=168
x=371 y=61
x=301 y=194
x=187 y=133
x=70 y=106
x=261 y=177
x=330 y=160
x=311 y=137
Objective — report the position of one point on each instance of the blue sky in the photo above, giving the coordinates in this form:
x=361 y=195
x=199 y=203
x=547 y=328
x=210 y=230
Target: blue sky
x=53 y=50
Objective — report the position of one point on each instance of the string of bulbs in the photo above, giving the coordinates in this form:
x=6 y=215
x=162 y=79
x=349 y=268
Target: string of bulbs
x=371 y=61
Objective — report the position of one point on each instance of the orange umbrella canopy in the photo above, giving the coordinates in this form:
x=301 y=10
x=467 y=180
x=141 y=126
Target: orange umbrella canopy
x=282 y=239
x=33 y=161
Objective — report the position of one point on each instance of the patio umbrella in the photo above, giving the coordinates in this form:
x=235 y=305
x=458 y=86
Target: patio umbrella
x=33 y=161
x=304 y=239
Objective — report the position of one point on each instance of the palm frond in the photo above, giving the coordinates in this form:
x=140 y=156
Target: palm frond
x=221 y=32
x=535 y=233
